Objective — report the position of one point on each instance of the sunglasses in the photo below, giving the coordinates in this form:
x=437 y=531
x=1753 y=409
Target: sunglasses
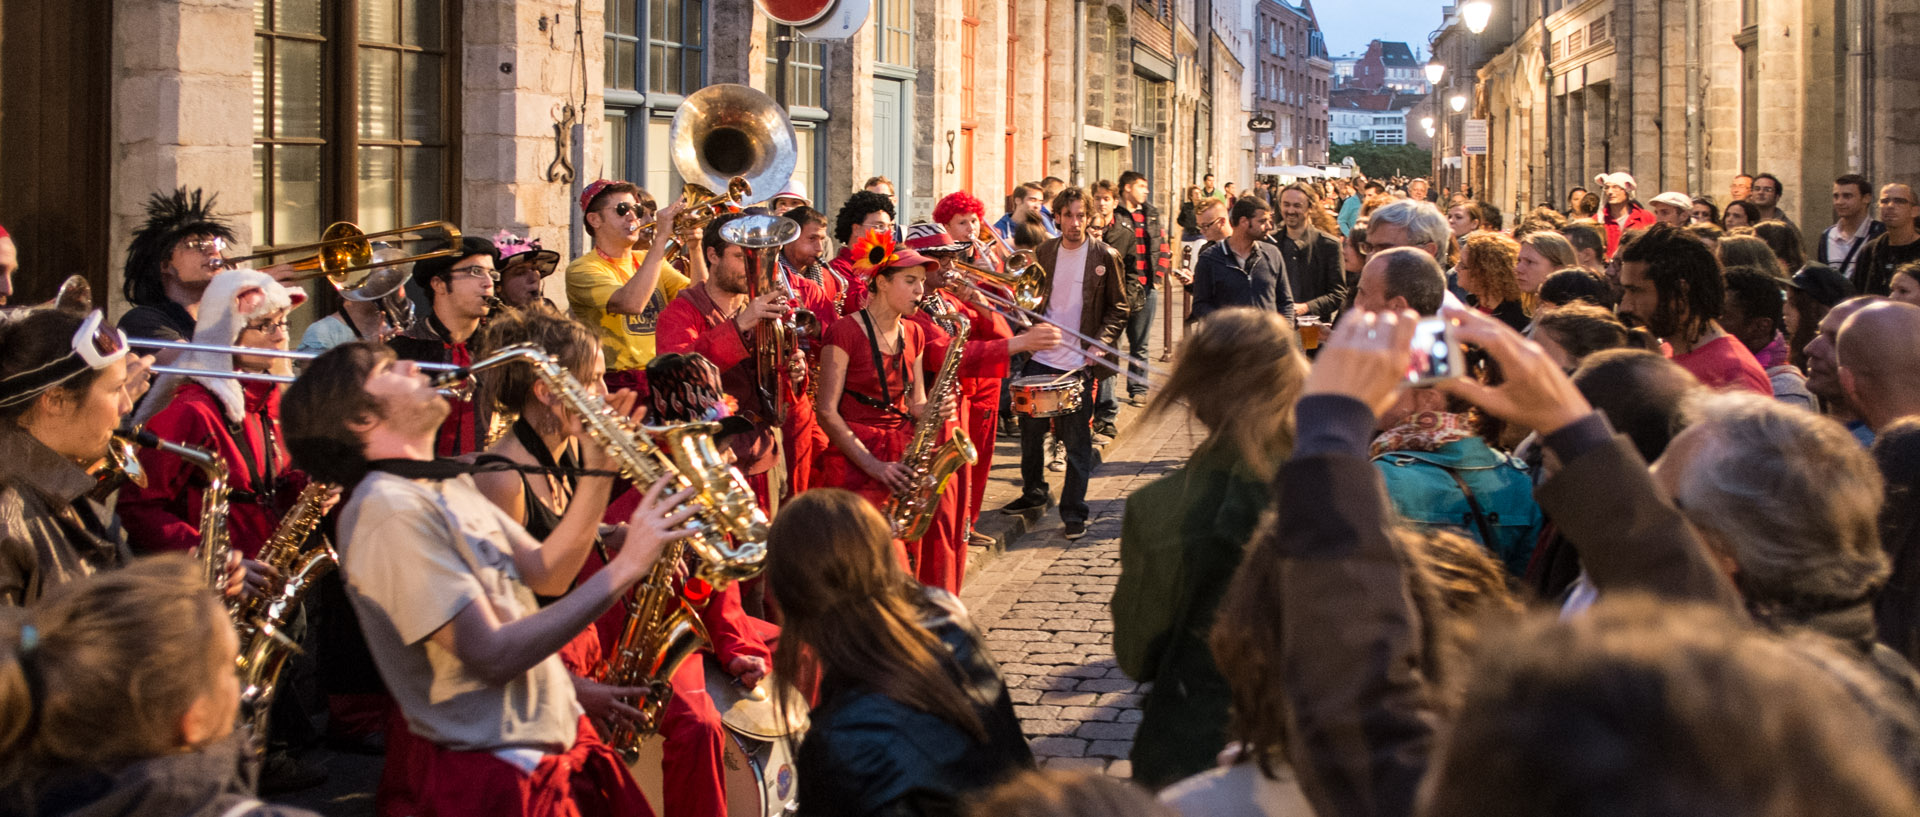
x=209 y=246
x=623 y=209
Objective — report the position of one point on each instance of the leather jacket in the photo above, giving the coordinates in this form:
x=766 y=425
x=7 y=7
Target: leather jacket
x=51 y=532
x=867 y=755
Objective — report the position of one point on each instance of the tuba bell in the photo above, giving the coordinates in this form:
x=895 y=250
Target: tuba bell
x=724 y=133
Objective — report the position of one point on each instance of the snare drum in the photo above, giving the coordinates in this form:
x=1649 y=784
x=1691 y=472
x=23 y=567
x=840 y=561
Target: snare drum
x=1046 y=395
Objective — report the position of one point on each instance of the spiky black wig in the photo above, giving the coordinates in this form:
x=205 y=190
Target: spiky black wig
x=170 y=217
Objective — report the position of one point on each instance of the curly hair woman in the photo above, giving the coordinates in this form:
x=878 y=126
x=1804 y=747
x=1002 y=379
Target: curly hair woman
x=1487 y=262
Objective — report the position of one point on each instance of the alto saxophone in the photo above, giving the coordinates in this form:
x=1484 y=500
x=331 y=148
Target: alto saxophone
x=214 y=544
x=910 y=512
x=264 y=645
x=729 y=536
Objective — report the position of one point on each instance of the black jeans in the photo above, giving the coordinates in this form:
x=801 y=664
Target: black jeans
x=1075 y=431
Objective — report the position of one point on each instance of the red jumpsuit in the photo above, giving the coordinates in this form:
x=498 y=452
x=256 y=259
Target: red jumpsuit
x=943 y=561
x=805 y=440
x=854 y=295
x=696 y=740
x=165 y=515
x=874 y=403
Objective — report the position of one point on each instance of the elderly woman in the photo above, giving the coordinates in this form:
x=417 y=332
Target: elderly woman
x=1487 y=274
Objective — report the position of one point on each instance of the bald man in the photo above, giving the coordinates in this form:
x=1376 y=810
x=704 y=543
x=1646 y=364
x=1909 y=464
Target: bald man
x=1823 y=367
x=1879 y=356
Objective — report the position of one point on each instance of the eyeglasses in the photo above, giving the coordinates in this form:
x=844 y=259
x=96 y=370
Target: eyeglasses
x=269 y=327
x=475 y=271
x=210 y=246
x=624 y=209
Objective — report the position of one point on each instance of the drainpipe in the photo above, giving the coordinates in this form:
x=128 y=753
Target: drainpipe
x=1079 y=152
x=1694 y=87
x=1859 y=124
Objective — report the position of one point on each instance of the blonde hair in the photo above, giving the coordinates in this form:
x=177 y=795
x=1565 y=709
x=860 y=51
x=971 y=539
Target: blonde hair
x=1240 y=373
x=114 y=662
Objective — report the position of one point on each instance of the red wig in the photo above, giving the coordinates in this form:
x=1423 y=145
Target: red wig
x=953 y=204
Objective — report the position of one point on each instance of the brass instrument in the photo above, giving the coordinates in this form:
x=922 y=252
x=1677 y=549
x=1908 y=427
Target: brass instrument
x=120 y=466
x=726 y=131
x=1022 y=315
x=729 y=533
x=214 y=545
x=344 y=249
x=698 y=205
x=1027 y=285
x=264 y=646
x=910 y=512
x=774 y=341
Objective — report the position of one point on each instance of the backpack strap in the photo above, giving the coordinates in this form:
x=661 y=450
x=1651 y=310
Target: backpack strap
x=1473 y=505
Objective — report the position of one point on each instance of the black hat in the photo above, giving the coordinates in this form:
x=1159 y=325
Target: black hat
x=1821 y=283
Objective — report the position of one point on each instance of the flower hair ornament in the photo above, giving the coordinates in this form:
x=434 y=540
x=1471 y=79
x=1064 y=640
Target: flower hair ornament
x=874 y=252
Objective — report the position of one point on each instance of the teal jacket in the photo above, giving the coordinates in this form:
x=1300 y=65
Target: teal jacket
x=1422 y=491
x=1180 y=543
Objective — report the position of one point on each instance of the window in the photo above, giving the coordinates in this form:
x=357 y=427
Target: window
x=656 y=54
x=893 y=44
x=806 y=65
x=373 y=149
x=806 y=69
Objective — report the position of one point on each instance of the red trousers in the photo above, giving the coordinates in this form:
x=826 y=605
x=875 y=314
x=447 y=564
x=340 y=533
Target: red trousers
x=983 y=425
x=589 y=780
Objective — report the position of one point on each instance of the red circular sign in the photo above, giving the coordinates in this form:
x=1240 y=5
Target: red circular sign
x=795 y=12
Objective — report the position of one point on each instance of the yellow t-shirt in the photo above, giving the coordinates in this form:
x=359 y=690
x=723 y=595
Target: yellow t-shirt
x=626 y=339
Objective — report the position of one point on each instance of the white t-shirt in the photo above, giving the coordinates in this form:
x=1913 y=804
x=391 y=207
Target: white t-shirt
x=415 y=553
x=1063 y=307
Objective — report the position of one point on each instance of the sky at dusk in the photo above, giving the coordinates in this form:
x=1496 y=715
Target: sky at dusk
x=1350 y=24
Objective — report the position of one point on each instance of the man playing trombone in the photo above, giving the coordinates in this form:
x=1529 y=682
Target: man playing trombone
x=1084 y=288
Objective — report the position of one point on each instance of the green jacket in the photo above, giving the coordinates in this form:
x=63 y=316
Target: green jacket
x=1181 y=541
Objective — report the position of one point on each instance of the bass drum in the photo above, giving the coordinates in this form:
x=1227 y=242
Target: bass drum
x=757 y=768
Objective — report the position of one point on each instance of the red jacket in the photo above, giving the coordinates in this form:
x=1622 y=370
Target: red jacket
x=165 y=515
x=1637 y=218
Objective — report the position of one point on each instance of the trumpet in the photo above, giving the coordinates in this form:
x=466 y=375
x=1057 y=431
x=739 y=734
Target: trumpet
x=1022 y=315
x=699 y=205
x=1027 y=284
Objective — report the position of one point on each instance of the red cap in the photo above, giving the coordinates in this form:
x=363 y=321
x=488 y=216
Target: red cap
x=3 y=232
x=586 y=196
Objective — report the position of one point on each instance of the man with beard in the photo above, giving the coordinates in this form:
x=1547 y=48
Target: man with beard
x=1313 y=257
x=1672 y=284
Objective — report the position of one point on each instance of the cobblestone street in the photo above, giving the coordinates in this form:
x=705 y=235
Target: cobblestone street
x=1043 y=605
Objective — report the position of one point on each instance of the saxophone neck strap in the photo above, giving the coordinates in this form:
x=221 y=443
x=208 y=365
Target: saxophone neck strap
x=442 y=469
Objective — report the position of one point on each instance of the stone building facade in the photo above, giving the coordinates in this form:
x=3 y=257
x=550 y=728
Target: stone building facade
x=492 y=114
x=1686 y=95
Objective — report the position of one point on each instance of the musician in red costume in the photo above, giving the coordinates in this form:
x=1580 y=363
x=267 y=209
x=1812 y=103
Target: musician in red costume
x=863 y=213
x=237 y=419
x=545 y=437
x=871 y=388
x=989 y=345
x=802 y=268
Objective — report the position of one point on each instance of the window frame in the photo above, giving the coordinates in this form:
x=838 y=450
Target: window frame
x=644 y=109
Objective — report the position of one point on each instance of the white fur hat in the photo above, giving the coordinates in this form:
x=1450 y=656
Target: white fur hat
x=1623 y=179
x=234 y=299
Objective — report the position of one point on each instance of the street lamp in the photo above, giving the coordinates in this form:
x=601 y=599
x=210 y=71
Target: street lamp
x=1427 y=122
x=1434 y=72
x=1476 y=13
x=1458 y=103
x=1429 y=127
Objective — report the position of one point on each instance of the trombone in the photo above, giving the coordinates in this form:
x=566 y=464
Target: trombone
x=448 y=381
x=1024 y=316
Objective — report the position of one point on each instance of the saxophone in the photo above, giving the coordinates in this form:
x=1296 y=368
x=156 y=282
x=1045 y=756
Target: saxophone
x=262 y=622
x=214 y=545
x=910 y=512
x=729 y=536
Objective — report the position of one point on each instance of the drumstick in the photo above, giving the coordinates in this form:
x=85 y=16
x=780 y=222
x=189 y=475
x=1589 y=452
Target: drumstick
x=1063 y=376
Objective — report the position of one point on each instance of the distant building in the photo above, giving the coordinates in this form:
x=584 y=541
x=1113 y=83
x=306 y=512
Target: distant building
x=1388 y=65
x=1359 y=117
x=1343 y=70
x=1293 y=76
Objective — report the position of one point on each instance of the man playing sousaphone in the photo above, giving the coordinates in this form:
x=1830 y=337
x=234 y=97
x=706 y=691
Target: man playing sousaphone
x=444 y=585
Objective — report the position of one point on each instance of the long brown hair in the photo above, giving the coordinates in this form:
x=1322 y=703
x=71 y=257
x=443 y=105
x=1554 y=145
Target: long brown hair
x=1454 y=584
x=112 y=664
x=1240 y=373
x=508 y=389
x=851 y=614
x=1492 y=256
